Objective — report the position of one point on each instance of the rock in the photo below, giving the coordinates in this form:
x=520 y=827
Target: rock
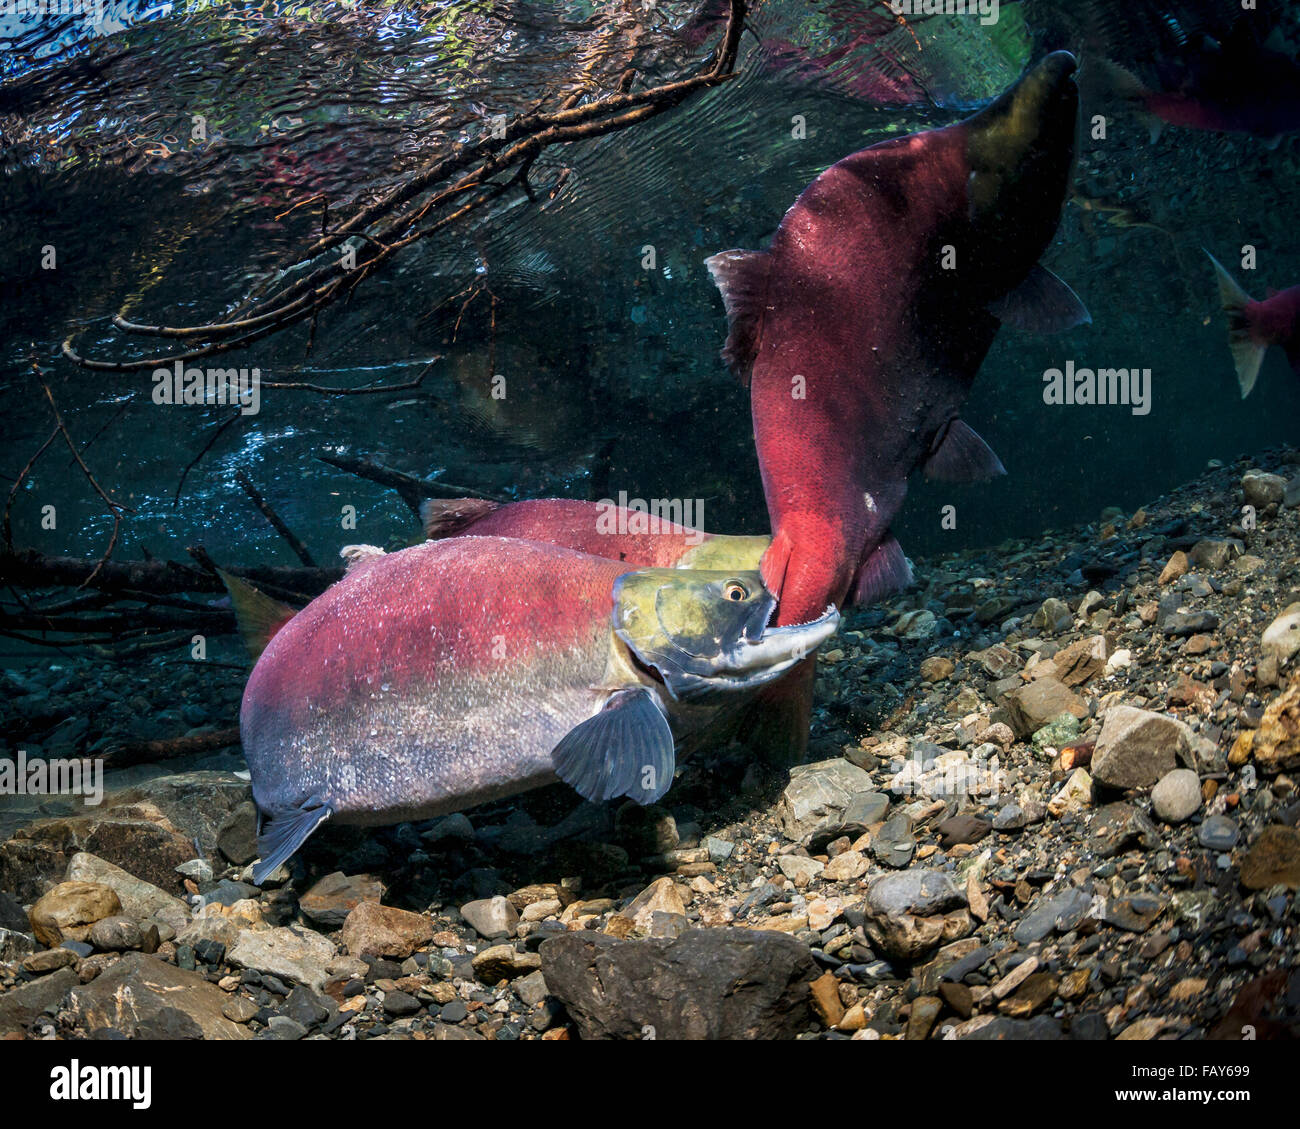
x=1218 y=833
x=706 y=984
x=893 y=844
x=1074 y=795
x=239 y=1009
x=1177 y=796
x=997 y=661
x=1261 y=489
x=383 y=931
x=1176 y=568
x=331 y=899
x=962 y=828
x=826 y=999
x=719 y=849
x=1137 y=747
x=916 y=625
x=289 y=952
x=116 y=935
x=237 y=836
x=903 y=912
x=845 y=867
x=865 y=809
x=937 y=668
x=991 y=1028
x=817 y=795
x=1082 y=660
x=1282 y=637
x=504 y=962
x=1062 y=912
x=799 y=870
x=492 y=918
x=1273 y=859
x=1057 y=733
x=397 y=1003
x=1120 y=827
x=20 y=1006
x=531 y=989
x=1017 y=815
x=1214 y=554
x=1053 y=616
x=141 y=997
x=14 y=945
x=1275 y=743
x=140 y=900
x=68 y=911
x=1292 y=496
x=49 y=960
x=12 y=915
x=1135 y=913
x=660 y=897
x=1033 y=706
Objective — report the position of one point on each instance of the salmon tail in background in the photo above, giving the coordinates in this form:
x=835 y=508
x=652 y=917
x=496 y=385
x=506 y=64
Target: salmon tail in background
x=257 y=615
x=445 y=517
x=1247 y=352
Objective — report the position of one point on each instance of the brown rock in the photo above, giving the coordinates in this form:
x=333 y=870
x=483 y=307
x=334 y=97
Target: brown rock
x=1081 y=661
x=68 y=911
x=925 y=1010
x=1273 y=859
x=382 y=931
x=1033 y=706
x=1275 y=745
x=330 y=900
x=937 y=668
x=1176 y=568
x=826 y=999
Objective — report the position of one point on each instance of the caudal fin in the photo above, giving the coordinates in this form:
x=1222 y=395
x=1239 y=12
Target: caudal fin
x=257 y=615
x=445 y=517
x=1247 y=354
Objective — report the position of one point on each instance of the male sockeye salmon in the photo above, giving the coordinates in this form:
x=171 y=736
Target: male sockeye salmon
x=465 y=670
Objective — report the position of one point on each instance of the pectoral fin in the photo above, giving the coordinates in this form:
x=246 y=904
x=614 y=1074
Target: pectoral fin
x=282 y=830
x=624 y=750
x=962 y=456
x=1041 y=304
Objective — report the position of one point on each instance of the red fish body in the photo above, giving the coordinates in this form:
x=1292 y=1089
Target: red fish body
x=860 y=330
x=464 y=670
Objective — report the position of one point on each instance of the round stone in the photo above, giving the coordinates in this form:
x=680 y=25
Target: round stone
x=1177 y=795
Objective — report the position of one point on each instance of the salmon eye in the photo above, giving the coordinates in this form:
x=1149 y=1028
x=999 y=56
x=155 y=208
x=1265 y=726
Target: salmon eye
x=734 y=590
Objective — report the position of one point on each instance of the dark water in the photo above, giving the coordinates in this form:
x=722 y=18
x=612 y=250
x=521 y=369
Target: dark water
x=612 y=370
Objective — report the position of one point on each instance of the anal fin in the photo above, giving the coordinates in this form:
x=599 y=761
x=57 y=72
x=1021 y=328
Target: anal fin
x=281 y=831
x=962 y=456
x=885 y=571
x=624 y=750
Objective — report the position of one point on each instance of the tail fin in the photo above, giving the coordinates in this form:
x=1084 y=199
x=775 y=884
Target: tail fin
x=257 y=615
x=1247 y=354
x=445 y=517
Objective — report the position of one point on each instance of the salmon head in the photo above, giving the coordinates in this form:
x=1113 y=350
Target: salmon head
x=703 y=632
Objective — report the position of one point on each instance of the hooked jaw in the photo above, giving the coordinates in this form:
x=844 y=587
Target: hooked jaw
x=723 y=645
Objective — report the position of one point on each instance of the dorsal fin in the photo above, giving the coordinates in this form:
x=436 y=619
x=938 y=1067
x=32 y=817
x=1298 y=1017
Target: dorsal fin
x=444 y=517
x=741 y=276
x=962 y=456
x=257 y=615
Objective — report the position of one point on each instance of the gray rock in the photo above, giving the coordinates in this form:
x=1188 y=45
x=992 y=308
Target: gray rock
x=140 y=900
x=1260 y=489
x=237 y=836
x=706 y=984
x=866 y=808
x=1137 y=747
x=116 y=935
x=719 y=849
x=1062 y=912
x=893 y=844
x=817 y=795
x=1219 y=833
x=1017 y=816
x=532 y=989
x=289 y=952
x=12 y=915
x=919 y=892
x=20 y=1006
x=1282 y=637
x=1177 y=795
x=492 y=918
x=14 y=945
